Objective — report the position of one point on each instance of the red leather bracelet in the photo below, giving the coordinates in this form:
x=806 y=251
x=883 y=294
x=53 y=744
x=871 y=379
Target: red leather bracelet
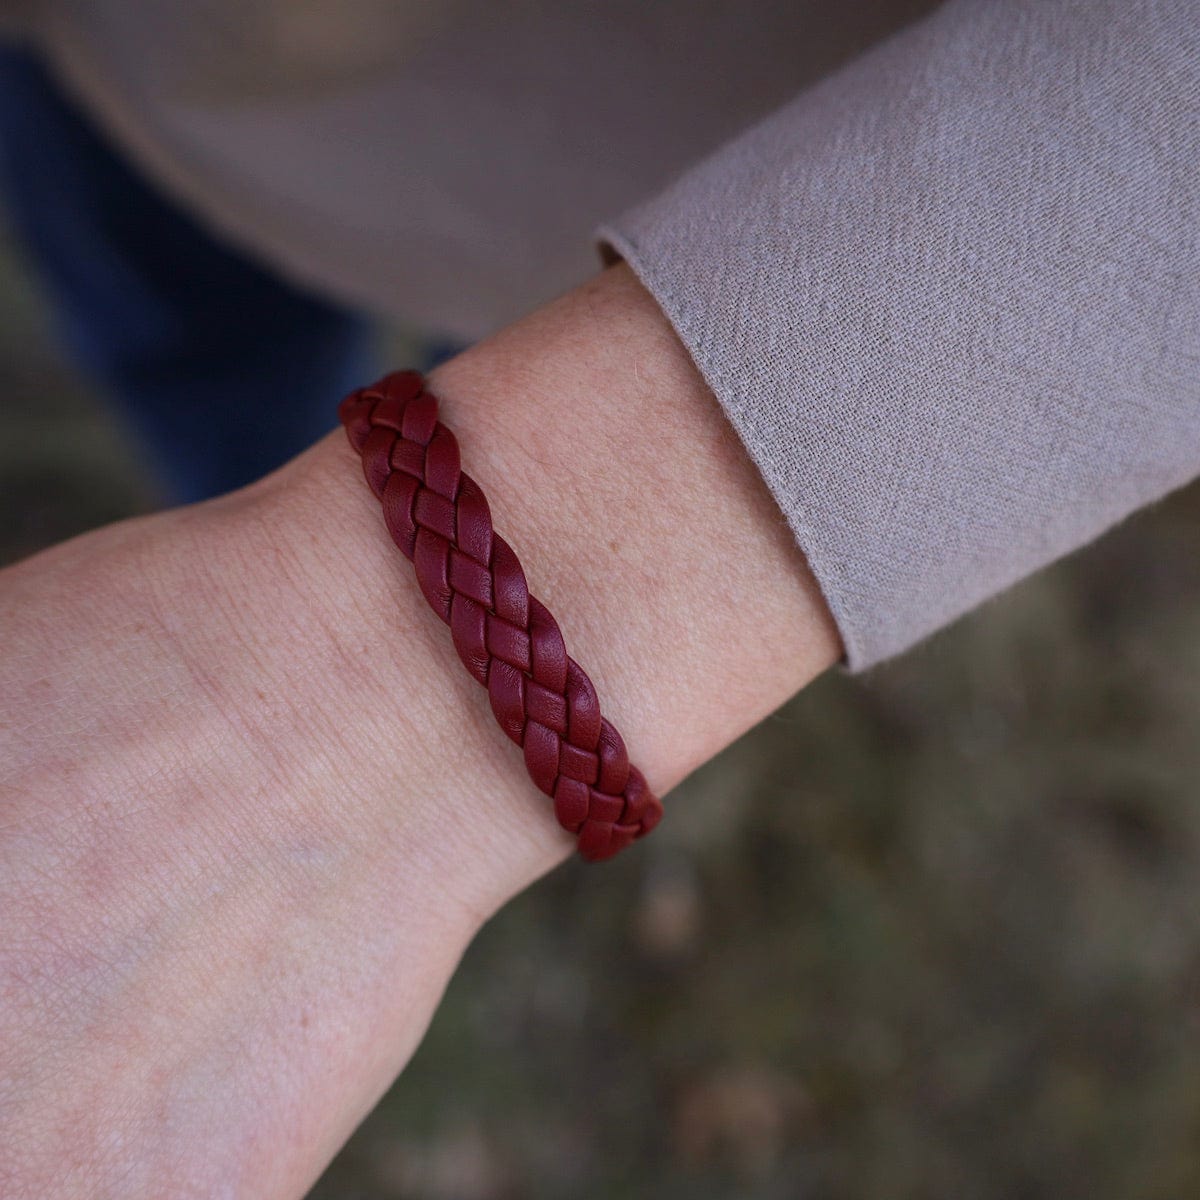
x=438 y=517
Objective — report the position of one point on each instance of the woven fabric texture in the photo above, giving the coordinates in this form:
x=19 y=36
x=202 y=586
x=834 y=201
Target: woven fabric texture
x=950 y=298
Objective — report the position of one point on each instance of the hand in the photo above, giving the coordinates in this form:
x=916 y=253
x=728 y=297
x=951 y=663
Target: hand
x=241 y=848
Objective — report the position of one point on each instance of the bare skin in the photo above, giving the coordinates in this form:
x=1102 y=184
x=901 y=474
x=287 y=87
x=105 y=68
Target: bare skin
x=242 y=771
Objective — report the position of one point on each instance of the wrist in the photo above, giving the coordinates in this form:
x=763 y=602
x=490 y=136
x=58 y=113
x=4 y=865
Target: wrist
x=605 y=458
x=641 y=521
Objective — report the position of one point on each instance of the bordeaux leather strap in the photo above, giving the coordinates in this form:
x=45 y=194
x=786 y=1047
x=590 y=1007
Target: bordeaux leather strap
x=506 y=638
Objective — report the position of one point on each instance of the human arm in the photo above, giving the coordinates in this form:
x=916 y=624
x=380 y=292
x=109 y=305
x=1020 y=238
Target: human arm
x=239 y=854
x=214 y=801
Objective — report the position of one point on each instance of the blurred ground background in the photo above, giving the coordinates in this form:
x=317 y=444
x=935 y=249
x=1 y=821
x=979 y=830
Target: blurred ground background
x=930 y=933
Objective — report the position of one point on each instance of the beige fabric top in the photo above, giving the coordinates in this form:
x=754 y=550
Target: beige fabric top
x=949 y=295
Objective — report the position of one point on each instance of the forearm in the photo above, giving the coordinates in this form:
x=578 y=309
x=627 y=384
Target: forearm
x=241 y=851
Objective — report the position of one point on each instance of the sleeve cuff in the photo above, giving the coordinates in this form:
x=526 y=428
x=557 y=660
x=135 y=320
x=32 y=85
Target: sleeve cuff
x=946 y=299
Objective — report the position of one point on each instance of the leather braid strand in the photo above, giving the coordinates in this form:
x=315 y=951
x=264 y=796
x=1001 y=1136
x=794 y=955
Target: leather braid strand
x=439 y=518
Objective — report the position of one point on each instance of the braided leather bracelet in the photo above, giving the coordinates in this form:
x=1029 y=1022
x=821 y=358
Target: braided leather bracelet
x=505 y=637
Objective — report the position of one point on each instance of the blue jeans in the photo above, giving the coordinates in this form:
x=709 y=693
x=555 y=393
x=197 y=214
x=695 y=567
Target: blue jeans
x=221 y=367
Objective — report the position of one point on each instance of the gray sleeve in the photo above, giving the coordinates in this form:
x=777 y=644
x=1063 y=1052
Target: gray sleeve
x=950 y=298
